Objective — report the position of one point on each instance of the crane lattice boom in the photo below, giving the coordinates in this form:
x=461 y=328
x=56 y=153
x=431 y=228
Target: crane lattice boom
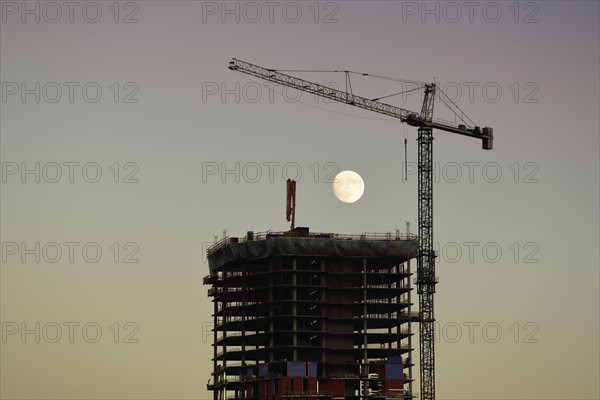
x=410 y=117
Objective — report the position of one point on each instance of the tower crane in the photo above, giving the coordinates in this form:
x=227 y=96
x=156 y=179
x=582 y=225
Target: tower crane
x=425 y=123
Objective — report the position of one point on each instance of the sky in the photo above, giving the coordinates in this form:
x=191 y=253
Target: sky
x=127 y=146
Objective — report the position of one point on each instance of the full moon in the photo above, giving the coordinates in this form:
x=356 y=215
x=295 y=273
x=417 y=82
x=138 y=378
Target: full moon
x=348 y=186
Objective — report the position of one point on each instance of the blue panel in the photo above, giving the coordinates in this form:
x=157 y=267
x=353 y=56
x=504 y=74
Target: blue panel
x=312 y=369
x=393 y=371
x=249 y=372
x=296 y=369
x=263 y=370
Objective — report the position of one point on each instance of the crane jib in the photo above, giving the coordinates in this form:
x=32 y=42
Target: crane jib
x=410 y=117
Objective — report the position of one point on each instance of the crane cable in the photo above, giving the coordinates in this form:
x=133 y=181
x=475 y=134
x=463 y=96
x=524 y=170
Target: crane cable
x=396 y=94
x=389 y=78
x=455 y=105
x=405 y=151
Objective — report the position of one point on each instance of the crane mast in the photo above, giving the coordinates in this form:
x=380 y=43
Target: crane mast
x=424 y=121
x=426 y=278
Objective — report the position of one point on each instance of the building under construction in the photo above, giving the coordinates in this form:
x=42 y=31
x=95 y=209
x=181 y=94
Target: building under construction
x=312 y=315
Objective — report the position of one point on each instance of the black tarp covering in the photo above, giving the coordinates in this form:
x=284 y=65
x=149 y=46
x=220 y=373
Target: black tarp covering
x=398 y=250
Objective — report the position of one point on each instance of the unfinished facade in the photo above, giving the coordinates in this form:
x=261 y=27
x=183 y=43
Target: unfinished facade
x=308 y=315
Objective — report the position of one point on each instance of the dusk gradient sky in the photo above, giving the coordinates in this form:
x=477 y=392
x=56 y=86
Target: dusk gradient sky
x=127 y=145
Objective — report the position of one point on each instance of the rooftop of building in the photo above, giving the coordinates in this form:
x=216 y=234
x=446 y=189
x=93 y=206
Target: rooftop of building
x=301 y=242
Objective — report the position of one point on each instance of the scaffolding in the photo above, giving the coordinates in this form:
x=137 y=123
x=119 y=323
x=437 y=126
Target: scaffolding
x=312 y=315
